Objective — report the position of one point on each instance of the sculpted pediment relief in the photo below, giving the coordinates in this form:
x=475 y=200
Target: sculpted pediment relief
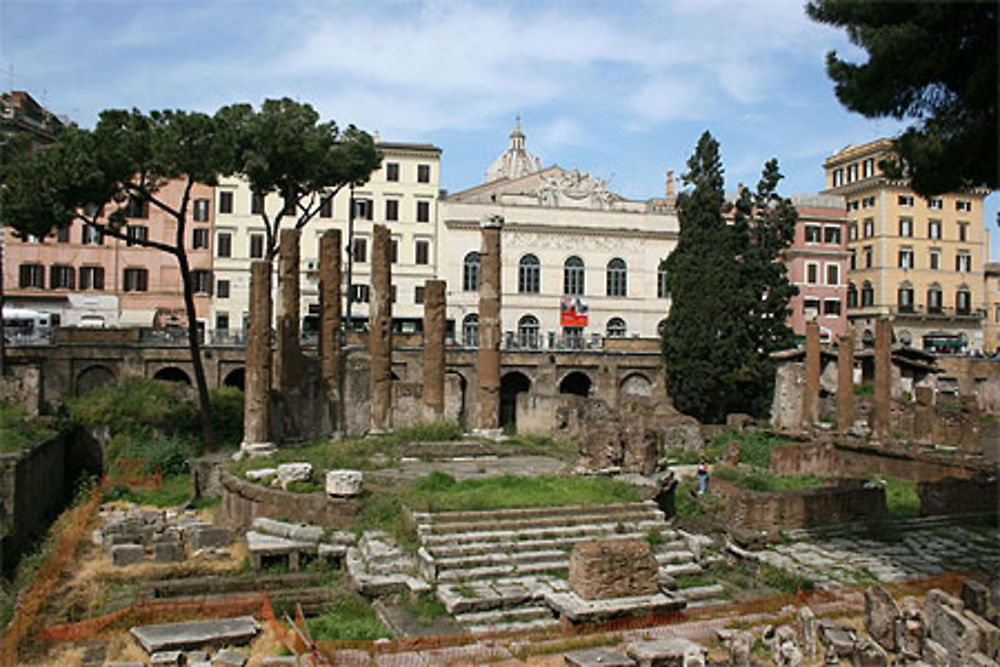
x=574 y=189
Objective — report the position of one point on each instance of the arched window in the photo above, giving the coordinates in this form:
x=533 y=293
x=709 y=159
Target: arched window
x=573 y=276
x=470 y=330
x=867 y=294
x=617 y=277
x=934 y=298
x=852 y=295
x=662 y=287
x=616 y=328
x=904 y=297
x=963 y=300
x=470 y=272
x=529 y=275
x=527 y=332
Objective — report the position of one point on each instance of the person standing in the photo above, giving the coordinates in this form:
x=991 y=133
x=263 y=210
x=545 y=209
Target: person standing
x=702 y=476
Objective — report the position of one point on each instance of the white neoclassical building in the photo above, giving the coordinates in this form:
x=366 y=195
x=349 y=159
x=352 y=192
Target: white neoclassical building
x=580 y=262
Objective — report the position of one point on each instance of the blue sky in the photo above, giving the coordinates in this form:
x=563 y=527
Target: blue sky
x=621 y=89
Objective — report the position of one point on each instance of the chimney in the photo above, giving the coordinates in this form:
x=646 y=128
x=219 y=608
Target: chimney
x=670 y=188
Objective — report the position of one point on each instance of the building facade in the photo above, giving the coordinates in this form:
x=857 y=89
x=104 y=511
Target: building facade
x=84 y=278
x=579 y=262
x=917 y=261
x=402 y=194
x=991 y=325
x=817 y=262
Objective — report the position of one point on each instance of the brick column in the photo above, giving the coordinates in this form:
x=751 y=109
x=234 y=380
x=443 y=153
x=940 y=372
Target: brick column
x=434 y=326
x=488 y=355
x=257 y=373
x=969 y=433
x=813 y=367
x=923 y=415
x=380 y=330
x=845 y=383
x=330 y=325
x=287 y=358
x=882 y=404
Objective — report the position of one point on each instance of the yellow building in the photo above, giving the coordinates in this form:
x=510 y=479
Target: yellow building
x=918 y=261
x=991 y=325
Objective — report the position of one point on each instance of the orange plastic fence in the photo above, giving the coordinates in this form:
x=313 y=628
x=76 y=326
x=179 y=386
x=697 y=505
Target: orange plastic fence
x=47 y=577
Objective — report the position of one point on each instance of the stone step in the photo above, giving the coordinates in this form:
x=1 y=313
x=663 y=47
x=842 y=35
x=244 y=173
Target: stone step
x=448 y=550
x=543 y=521
x=707 y=602
x=506 y=570
x=667 y=557
x=471 y=597
x=500 y=558
x=676 y=569
x=702 y=592
x=596 y=530
x=488 y=516
x=505 y=616
x=517 y=626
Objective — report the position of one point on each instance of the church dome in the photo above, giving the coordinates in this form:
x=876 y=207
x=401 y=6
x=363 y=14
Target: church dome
x=514 y=162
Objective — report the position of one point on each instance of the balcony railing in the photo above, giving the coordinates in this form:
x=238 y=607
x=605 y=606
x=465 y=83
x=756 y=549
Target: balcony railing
x=943 y=312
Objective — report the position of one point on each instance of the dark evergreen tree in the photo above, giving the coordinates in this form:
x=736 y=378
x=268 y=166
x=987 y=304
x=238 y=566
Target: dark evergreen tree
x=729 y=292
x=933 y=62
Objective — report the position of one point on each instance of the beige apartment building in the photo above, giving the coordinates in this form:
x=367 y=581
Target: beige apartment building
x=918 y=261
x=402 y=193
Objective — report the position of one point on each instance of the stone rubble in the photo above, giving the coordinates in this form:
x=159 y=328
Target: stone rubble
x=128 y=534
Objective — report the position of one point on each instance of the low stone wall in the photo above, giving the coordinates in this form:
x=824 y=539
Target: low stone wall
x=755 y=515
x=855 y=459
x=959 y=496
x=244 y=501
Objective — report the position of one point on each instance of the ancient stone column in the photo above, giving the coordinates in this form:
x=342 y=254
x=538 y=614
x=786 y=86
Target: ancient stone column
x=287 y=359
x=434 y=326
x=845 y=383
x=488 y=356
x=923 y=414
x=380 y=330
x=882 y=404
x=969 y=432
x=813 y=367
x=257 y=374
x=330 y=324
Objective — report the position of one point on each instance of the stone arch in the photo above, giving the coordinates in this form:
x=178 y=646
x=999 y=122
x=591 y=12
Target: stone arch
x=636 y=385
x=462 y=389
x=511 y=384
x=93 y=377
x=172 y=374
x=577 y=383
x=235 y=378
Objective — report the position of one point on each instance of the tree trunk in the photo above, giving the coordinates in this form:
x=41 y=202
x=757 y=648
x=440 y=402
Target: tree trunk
x=204 y=403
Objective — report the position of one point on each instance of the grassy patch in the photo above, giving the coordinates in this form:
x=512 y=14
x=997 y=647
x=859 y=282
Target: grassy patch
x=900 y=497
x=176 y=490
x=684 y=500
x=425 y=607
x=784 y=581
x=866 y=388
x=762 y=480
x=349 y=618
x=19 y=431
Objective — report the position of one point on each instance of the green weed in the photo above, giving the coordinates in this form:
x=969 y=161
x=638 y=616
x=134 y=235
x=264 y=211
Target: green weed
x=19 y=431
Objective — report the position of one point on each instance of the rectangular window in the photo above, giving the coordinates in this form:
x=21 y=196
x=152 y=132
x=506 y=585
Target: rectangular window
x=852 y=172
x=225 y=202
x=963 y=205
x=906 y=226
x=854 y=259
x=906 y=258
x=423 y=173
x=905 y=200
x=935 y=260
x=935 y=203
x=963 y=262
x=831 y=235
x=359 y=293
x=869 y=227
x=92 y=277
x=392 y=171
x=360 y=250
x=222 y=289
x=92 y=235
x=256 y=246
x=838 y=177
x=852 y=205
x=852 y=231
x=222 y=321
x=933 y=229
x=810 y=308
x=326 y=207
x=868 y=202
x=833 y=274
x=224 y=244
x=812 y=273
x=421 y=252
x=31 y=275
x=963 y=231
x=137 y=208
x=201 y=280
x=201 y=210
x=392 y=209
x=423 y=211
x=869 y=256
x=831 y=307
x=136 y=234
x=62 y=276
x=813 y=234
x=363 y=208
x=418 y=294
x=256 y=204
x=868 y=167
x=393 y=251
x=199 y=239
x=135 y=279
x=62 y=234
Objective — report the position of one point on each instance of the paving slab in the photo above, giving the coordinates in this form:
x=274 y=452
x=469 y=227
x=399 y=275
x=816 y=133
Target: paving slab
x=597 y=657
x=196 y=634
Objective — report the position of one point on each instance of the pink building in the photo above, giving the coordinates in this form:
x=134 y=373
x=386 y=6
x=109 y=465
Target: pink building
x=86 y=279
x=817 y=264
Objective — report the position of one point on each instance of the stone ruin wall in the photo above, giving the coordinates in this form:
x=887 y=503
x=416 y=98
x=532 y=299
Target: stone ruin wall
x=244 y=501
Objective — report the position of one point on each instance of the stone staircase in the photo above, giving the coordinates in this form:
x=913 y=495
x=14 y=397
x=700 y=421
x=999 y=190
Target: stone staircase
x=494 y=569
